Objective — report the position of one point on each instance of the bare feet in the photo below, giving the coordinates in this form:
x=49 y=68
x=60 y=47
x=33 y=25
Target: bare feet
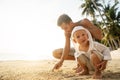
x=97 y=75
x=83 y=72
x=77 y=69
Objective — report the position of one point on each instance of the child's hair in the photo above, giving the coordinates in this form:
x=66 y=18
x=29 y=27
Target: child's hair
x=64 y=18
x=89 y=36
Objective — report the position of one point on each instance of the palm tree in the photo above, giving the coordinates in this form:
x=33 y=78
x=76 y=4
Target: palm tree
x=113 y=25
x=109 y=19
x=89 y=8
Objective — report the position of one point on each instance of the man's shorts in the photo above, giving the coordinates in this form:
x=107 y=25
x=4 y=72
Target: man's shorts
x=72 y=51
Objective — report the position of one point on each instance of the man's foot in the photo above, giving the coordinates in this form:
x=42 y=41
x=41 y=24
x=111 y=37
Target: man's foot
x=97 y=75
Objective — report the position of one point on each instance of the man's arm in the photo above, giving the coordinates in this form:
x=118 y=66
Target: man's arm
x=65 y=51
x=95 y=31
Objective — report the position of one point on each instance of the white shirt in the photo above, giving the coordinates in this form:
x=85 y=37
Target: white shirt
x=102 y=49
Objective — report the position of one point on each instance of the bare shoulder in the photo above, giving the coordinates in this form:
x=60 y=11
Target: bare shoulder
x=86 y=23
x=85 y=19
x=95 y=31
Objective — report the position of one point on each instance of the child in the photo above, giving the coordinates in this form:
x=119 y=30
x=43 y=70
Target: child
x=89 y=54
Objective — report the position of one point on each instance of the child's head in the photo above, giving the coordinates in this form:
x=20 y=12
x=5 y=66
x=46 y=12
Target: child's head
x=81 y=36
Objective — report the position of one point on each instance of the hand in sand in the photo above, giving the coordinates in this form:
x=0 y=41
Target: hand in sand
x=57 y=66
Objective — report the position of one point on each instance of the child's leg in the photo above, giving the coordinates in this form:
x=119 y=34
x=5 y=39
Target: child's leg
x=95 y=58
x=83 y=62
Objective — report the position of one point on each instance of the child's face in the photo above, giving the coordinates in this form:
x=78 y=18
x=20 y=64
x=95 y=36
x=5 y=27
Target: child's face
x=80 y=37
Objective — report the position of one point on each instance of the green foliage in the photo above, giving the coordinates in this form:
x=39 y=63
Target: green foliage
x=110 y=20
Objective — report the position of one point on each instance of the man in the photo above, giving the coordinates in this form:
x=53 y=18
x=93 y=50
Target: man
x=66 y=24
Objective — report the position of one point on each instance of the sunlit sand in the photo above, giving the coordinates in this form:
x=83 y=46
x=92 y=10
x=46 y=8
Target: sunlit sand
x=42 y=70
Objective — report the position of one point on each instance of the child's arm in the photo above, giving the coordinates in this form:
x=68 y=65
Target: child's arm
x=106 y=55
x=104 y=50
x=102 y=65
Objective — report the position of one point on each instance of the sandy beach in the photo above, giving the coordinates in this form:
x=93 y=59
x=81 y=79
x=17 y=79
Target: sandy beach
x=41 y=70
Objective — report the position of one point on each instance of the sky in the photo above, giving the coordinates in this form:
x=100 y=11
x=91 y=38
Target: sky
x=28 y=29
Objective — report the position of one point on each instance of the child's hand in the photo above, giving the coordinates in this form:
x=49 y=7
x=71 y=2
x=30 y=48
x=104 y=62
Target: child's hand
x=102 y=65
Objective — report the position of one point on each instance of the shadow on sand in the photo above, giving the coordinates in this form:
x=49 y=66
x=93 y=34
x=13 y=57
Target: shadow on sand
x=111 y=76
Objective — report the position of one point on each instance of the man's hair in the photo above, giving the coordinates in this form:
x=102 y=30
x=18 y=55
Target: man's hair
x=64 y=18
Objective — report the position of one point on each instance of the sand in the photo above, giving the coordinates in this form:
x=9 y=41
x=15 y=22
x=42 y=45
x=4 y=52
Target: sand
x=41 y=70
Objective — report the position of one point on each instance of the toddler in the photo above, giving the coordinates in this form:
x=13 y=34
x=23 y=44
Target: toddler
x=89 y=54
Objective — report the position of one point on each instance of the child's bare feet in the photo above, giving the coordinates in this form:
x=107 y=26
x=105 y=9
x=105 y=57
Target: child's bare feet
x=83 y=72
x=97 y=75
x=77 y=69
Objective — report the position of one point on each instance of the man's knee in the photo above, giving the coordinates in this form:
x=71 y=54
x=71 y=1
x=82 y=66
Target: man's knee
x=57 y=53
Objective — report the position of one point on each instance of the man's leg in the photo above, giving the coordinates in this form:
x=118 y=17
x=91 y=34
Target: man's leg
x=57 y=53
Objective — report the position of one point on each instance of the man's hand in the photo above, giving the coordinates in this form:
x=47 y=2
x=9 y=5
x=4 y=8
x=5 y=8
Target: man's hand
x=58 y=65
x=102 y=65
x=67 y=34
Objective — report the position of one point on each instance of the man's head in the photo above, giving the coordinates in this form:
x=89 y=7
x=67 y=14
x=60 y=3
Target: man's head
x=64 y=18
x=64 y=21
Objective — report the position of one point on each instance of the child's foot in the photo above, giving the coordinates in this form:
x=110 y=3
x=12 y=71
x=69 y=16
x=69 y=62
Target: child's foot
x=77 y=69
x=83 y=72
x=97 y=75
